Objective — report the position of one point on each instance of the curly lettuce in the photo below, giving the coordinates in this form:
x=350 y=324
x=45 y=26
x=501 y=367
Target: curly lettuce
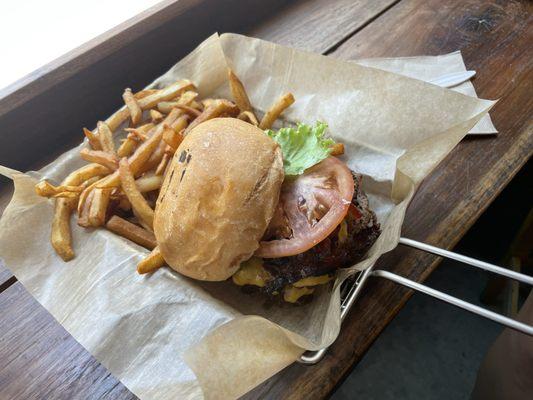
x=302 y=146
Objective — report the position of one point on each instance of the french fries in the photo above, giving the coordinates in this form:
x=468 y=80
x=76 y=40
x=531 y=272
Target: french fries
x=238 y=92
x=337 y=149
x=155 y=116
x=138 y=202
x=160 y=170
x=133 y=106
x=130 y=231
x=46 y=189
x=275 y=110
x=98 y=207
x=61 y=237
x=104 y=158
x=149 y=183
x=192 y=112
x=249 y=117
x=149 y=100
x=105 y=135
x=153 y=261
x=185 y=99
x=218 y=108
x=94 y=142
x=130 y=143
x=146 y=92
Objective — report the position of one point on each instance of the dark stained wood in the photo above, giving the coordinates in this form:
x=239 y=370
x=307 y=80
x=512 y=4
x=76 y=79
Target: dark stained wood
x=59 y=367
x=445 y=207
x=319 y=25
x=495 y=38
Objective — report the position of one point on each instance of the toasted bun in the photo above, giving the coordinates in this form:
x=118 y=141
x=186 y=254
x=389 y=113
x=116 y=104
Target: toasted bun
x=217 y=198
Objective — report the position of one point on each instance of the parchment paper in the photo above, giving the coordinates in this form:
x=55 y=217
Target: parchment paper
x=428 y=68
x=144 y=328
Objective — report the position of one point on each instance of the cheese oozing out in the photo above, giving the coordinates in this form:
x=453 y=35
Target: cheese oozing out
x=253 y=273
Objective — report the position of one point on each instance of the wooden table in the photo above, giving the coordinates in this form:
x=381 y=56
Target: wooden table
x=39 y=359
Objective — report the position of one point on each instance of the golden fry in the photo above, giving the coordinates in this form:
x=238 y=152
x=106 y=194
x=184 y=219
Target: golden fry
x=166 y=94
x=133 y=106
x=151 y=262
x=249 y=117
x=136 y=161
x=156 y=116
x=184 y=100
x=208 y=102
x=83 y=216
x=83 y=174
x=60 y=236
x=136 y=134
x=129 y=145
x=238 y=92
x=94 y=142
x=46 y=189
x=98 y=207
x=337 y=149
x=187 y=97
x=149 y=101
x=192 y=112
x=155 y=158
x=144 y=93
x=160 y=170
x=138 y=202
x=147 y=183
x=196 y=105
x=105 y=135
x=275 y=110
x=135 y=233
x=172 y=138
x=104 y=158
x=218 y=108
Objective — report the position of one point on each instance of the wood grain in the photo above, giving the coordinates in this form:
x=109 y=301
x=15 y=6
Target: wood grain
x=463 y=185
x=319 y=25
x=58 y=368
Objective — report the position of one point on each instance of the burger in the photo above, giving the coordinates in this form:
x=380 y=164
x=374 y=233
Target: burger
x=273 y=210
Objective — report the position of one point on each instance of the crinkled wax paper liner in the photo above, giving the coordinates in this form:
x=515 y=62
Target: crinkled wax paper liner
x=395 y=130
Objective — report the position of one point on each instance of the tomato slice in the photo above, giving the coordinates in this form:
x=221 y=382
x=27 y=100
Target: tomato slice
x=310 y=207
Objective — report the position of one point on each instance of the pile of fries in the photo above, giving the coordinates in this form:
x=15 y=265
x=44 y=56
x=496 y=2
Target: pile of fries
x=119 y=187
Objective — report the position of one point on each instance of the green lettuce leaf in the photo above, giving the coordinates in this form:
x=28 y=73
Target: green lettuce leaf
x=303 y=146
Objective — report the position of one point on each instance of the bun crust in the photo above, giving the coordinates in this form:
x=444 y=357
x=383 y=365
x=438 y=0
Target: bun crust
x=217 y=199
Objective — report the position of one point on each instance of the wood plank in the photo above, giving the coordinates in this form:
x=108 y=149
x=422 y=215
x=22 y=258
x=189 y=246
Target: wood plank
x=59 y=367
x=495 y=41
x=319 y=25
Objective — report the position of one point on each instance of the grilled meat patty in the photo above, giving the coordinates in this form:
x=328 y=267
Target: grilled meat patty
x=346 y=245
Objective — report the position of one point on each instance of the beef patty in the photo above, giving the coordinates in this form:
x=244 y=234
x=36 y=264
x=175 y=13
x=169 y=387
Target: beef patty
x=344 y=247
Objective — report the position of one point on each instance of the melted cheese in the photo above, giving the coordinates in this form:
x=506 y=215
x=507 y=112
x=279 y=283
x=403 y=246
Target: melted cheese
x=251 y=273
x=343 y=231
x=292 y=294
x=312 y=281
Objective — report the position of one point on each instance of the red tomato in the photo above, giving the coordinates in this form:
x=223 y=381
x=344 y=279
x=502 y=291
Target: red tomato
x=310 y=207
